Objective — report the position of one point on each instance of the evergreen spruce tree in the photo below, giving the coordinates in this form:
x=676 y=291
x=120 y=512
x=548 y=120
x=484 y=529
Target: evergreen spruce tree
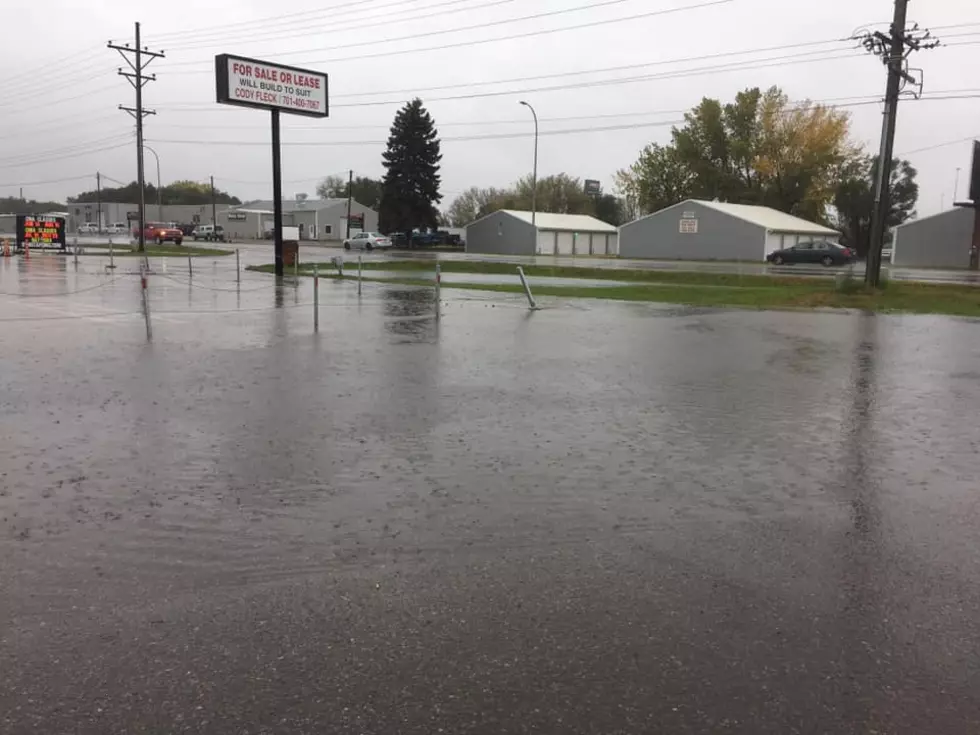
x=410 y=190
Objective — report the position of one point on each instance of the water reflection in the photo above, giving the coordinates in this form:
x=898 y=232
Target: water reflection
x=861 y=609
x=410 y=313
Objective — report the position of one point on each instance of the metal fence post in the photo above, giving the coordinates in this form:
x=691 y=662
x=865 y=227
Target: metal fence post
x=316 y=299
x=238 y=265
x=146 y=302
x=190 y=266
x=358 y=275
x=112 y=260
x=438 y=289
x=527 y=288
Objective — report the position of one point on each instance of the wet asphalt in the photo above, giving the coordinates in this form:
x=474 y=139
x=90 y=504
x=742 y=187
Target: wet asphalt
x=591 y=518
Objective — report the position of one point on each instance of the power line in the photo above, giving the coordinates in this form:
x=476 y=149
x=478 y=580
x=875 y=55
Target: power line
x=14 y=160
x=497 y=136
x=625 y=67
x=940 y=145
x=264 y=22
x=49 y=181
x=65 y=157
x=355 y=23
x=477 y=42
x=751 y=64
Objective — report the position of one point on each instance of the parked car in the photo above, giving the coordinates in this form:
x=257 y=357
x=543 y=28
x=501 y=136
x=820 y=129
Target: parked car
x=821 y=251
x=367 y=241
x=188 y=230
x=160 y=233
x=117 y=228
x=209 y=232
x=88 y=228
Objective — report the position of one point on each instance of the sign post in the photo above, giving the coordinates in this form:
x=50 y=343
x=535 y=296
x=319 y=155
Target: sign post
x=264 y=85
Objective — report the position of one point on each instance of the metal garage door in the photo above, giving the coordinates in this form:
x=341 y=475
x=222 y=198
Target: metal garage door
x=546 y=243
x=566 y=243
x=598 y=243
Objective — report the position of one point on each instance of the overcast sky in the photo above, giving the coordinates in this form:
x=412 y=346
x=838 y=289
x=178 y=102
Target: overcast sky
x=471 y=61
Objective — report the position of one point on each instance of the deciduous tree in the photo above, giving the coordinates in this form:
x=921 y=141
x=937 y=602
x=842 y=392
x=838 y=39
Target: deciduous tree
x=365 y=190
x=759 y=149
x=854 y=199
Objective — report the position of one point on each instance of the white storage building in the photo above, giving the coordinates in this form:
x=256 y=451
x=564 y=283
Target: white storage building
x=701 y=230
x=511 y=232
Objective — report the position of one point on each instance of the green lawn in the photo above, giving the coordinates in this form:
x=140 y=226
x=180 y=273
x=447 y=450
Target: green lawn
x=690 y=287
x=157 y=251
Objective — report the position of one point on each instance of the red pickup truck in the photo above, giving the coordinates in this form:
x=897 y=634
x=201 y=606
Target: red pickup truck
x=160 y=233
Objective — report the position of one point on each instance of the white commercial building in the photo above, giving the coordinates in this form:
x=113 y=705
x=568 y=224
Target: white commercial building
x=511 y=232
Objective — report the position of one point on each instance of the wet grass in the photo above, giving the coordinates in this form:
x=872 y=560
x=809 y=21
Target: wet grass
x=155 y=251
x=696 y=288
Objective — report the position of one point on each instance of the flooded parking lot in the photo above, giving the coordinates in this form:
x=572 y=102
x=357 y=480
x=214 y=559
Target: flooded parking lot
x=592 y=518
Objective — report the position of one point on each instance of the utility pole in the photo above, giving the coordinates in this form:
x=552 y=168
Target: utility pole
x=214 y=205
x=141 y=59
x=98 y=198
x=894 y=49
x=350 y=190
x=956 y=186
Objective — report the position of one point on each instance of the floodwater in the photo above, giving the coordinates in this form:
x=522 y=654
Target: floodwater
x=592 y=518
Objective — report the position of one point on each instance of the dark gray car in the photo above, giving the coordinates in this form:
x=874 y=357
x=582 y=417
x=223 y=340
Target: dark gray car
x=824 y=252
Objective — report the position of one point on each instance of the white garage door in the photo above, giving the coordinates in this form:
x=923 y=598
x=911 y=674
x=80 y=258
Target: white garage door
x=598 y=244
x=612 y=247
x=566 y=243
x=546 y=243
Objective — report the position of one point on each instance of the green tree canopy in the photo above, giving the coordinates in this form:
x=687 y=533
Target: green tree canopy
x=365 y=190
x=15 y=205
x=178 y=192
x=854 y=199
x=410 y=189
x=759 y=149
x=560 y=193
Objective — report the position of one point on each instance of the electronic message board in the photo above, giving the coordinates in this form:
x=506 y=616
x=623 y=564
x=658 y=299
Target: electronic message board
x=41 y=231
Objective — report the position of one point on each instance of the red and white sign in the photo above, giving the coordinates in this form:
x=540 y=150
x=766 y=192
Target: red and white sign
x=253 y=83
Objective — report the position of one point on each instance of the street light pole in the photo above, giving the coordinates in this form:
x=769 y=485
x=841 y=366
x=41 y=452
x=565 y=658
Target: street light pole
x=534 y=175
x=159 y=203
x=956 y=186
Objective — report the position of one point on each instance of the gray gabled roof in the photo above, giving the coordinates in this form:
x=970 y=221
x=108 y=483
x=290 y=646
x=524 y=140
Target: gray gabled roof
x=766 y=217
x=559 y=222
x=295 y=205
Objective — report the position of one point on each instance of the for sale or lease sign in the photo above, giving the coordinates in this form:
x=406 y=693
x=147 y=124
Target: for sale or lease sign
x=41 y=232
x=253 y=83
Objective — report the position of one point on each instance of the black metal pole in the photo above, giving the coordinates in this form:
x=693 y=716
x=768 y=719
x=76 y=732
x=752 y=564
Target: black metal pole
x=350 y=187
x=139 y=140
x=896 y=58
x=98 y=198
x=277 y=195
x=214 y=205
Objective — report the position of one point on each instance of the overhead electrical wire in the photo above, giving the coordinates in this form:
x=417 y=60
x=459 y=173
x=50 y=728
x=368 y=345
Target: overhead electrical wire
x=65 y=157
x=477 y=42
x=304 y=16
x=354 y=23
x=496 y=136
x=749 y=64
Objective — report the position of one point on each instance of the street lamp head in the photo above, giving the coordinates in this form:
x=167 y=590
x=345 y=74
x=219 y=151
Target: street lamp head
x=524 y=103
